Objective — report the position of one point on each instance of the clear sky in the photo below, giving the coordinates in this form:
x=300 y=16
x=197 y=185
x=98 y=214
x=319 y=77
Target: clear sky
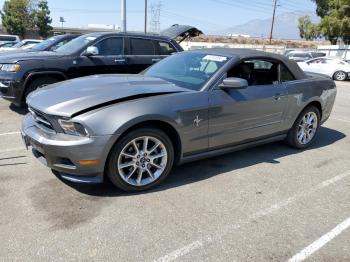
x=208 y=15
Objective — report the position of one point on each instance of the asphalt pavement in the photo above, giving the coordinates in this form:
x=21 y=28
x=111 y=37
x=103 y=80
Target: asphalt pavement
x=270 y=203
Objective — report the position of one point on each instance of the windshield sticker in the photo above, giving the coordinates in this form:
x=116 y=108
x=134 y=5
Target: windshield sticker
x=215 y=58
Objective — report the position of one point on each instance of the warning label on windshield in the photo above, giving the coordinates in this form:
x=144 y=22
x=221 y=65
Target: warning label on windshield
x=215 y=58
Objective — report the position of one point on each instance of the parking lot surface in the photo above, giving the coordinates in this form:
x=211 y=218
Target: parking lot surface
x=270 y=203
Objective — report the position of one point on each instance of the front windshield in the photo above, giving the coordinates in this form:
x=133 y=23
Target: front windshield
x=19 y=44
x=45 y=44
x=188 y=70
x=76 y=44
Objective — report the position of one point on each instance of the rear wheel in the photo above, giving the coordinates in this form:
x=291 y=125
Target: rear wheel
x=140 y=160
x=305 y=128
x=37 y=83
x=340 y=76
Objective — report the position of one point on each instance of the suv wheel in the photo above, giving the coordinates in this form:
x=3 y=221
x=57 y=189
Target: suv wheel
x=37 y=83
x=140 y=160
x=340 y=76
x=305 y=128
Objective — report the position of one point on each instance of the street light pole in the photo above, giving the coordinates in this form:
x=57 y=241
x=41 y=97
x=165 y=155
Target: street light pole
x=145 y=16
x=123 y=15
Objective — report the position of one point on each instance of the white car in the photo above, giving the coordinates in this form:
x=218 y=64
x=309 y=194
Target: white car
x=22 y=44
x=336 y=68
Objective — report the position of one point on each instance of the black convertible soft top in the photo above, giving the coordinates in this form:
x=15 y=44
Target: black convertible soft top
x=243 y=53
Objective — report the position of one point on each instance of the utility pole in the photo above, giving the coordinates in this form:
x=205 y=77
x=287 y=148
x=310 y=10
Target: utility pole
x=273 y=18
x=123 y=14
x=145 y=16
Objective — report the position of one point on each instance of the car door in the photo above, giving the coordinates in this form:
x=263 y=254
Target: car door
x=241 y=115
x=110 y=58
x=141 y=53
x=318 y=65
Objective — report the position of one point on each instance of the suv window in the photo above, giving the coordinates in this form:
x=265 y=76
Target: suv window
x=285 y=74
x=110 y=46
x=142 y=46
x=166 y=48
x=8 y=38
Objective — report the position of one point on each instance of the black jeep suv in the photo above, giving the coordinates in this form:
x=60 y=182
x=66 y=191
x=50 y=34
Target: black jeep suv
x=95 y=53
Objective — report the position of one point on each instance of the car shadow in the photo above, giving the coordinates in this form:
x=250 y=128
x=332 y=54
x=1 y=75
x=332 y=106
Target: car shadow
x=204 y=169
x=18 y=110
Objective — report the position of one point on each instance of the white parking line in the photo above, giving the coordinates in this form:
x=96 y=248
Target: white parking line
x=9 y=133
x=12 y=149
x=229 y=229
x=319 y=243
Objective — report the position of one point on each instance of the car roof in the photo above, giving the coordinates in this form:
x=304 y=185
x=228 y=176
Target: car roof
x=241 y=53
x=245 y=53
x=134 y=34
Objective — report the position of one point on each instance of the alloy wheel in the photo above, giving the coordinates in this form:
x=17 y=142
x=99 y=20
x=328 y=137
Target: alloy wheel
x=307 y=128
x=142 y=161
x=340 y=76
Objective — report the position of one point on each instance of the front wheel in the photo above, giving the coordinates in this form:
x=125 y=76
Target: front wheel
x=140 y=160
x=340 y=76
x=305 y=128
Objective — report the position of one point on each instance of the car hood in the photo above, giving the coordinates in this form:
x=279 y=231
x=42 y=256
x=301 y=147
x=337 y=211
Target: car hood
x=14 y=57
x=73 y=97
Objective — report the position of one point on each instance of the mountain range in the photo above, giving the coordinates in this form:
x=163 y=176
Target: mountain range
x=286 y=26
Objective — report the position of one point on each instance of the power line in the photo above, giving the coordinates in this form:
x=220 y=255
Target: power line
x=249 y=7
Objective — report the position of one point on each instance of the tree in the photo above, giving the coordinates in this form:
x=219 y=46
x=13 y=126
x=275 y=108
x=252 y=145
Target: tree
x=322 y=7
x=335 y=19
x=15 y=16
x=43 y=19
x=19 y=16
x=307 y=29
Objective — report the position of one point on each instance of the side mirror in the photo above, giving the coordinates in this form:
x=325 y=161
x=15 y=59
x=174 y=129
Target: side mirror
x=234 y=83
x=91 y=51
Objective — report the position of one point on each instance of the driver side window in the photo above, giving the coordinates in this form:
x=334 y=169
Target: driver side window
x=110 y=46
x=256 y=72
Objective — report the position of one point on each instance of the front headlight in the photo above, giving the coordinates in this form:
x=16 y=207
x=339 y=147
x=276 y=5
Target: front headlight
x=72 y=128
x=10 y=67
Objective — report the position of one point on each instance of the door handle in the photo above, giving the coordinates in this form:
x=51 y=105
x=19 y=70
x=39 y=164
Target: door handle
x=277 y=96
x=122 y=60
x=155 y=60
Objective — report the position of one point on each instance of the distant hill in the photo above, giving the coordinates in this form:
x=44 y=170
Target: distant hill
x=286 y=26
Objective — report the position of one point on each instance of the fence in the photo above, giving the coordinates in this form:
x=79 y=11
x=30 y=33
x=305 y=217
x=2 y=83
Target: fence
x=341 y=51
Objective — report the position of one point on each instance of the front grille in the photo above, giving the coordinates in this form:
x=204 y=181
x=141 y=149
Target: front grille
x=41 y=120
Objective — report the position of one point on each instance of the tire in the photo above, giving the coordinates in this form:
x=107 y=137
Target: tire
x=340 y=76
x=37 y=83
x=125 y=164
x=294 y=138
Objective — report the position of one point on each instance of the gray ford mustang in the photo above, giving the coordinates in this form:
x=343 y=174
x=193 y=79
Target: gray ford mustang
x=192 y=105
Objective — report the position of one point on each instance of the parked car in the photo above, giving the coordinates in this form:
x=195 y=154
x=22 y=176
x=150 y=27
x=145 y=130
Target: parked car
x=21 y=44
x=9 y=38
x=50 y=44
x=336 y=68
x=53 y=43
x=7 y=44
x=196 y=104
x=96 y=53
x=300 y=56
